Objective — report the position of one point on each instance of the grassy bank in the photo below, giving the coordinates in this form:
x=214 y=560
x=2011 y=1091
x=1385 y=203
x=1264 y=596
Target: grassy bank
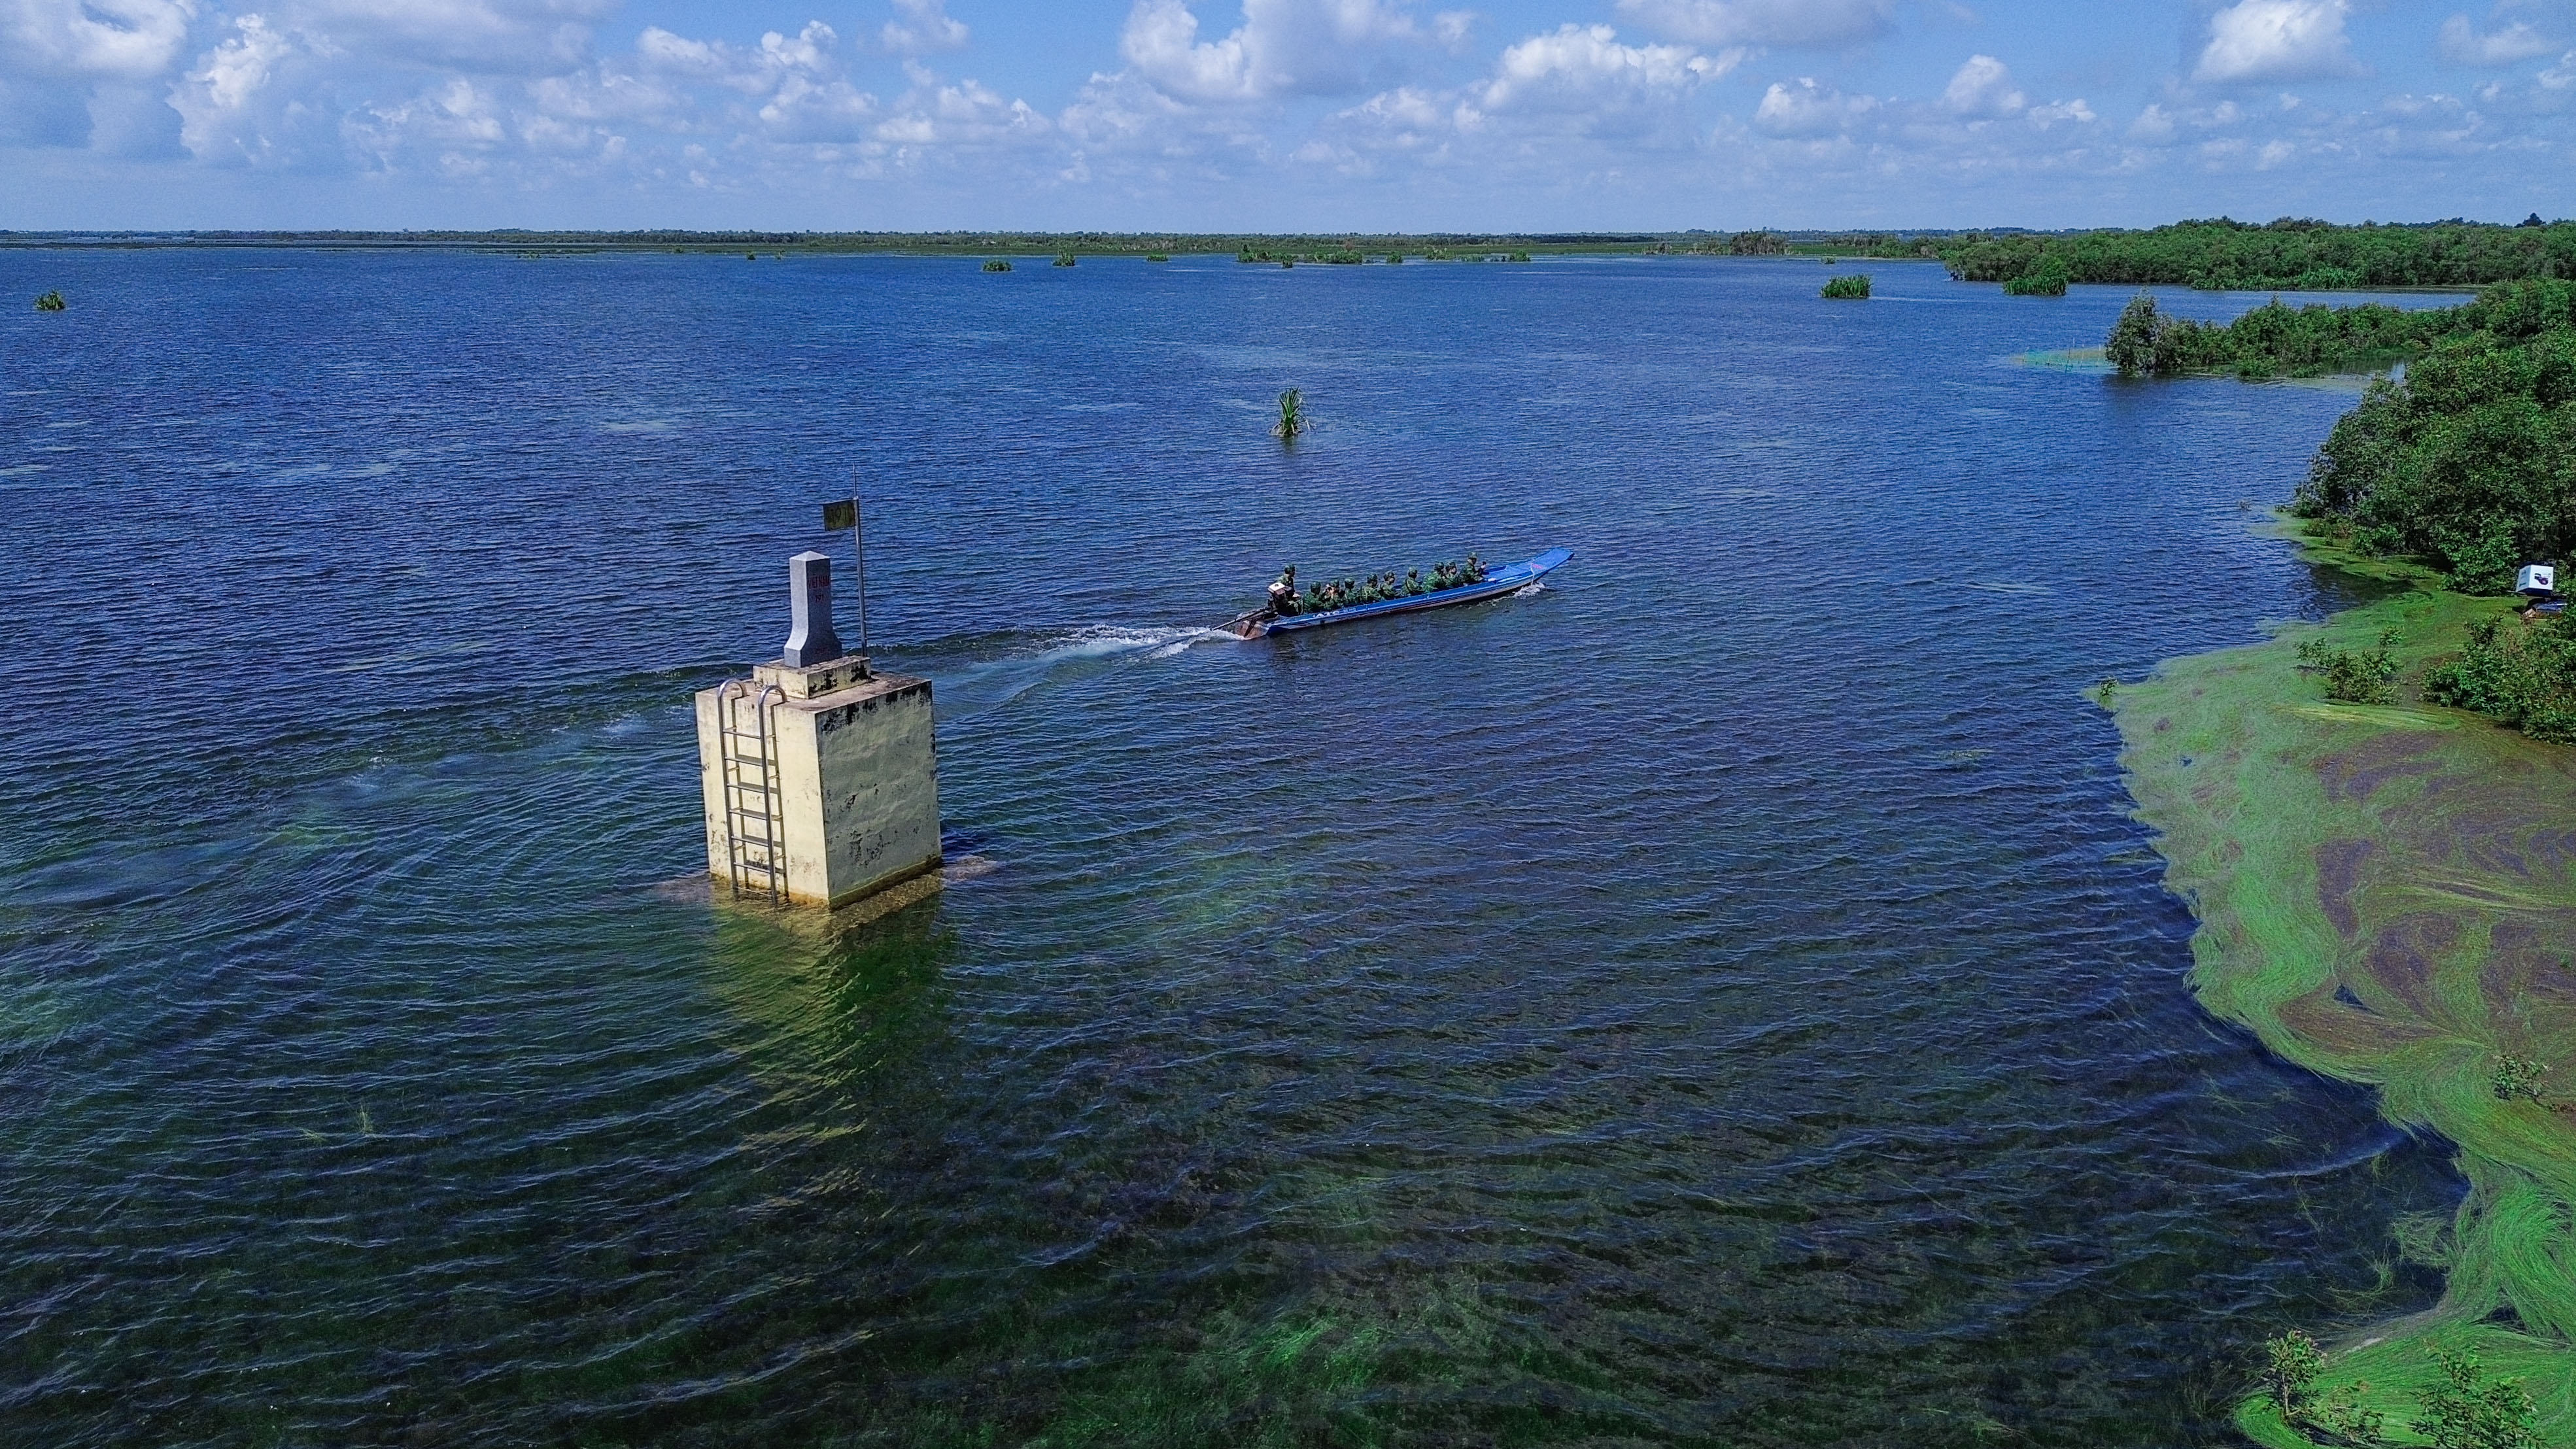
x=2387 y=895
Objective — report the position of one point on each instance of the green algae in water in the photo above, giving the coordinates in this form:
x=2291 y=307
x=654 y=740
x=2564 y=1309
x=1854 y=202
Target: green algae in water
x=2382 y=899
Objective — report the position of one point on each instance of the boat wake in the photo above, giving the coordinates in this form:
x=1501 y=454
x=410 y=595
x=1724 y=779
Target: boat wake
x=976 y=672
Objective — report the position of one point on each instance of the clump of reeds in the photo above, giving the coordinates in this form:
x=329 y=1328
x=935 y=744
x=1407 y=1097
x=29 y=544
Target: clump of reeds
x=1292 y=415
x=50 y=302
x=1064 y=259
x=1848 y=285
x=997 y=264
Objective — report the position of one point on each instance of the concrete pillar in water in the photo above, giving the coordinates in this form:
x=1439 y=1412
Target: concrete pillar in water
x=820 y=776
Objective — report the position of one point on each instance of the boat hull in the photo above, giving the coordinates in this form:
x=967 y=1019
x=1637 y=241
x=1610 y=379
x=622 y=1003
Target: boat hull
x=1494 y=585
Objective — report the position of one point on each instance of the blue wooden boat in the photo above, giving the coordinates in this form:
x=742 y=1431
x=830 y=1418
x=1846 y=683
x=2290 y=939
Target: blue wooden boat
x=1495 y=584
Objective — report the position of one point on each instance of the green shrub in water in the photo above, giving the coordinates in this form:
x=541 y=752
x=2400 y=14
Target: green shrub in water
x=996 y=264
x=1064 y=259
x=2351 y=677
x=50 y=302
x=2468 y=1410
x=1158 y=256
x=1292 y=414
x=2516 y=1077
x=1848 y=285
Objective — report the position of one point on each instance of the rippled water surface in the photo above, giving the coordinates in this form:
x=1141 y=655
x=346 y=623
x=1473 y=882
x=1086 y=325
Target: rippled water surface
x=1717 y=999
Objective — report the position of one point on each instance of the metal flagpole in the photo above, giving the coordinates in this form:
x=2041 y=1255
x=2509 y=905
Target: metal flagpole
x=859 y=546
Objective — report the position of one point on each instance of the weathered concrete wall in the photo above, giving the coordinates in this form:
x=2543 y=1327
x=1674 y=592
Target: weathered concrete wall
x=859 y=781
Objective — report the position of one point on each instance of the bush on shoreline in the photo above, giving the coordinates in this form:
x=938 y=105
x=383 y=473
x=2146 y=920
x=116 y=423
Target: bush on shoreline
x=2468 y=463
x=2522 y=674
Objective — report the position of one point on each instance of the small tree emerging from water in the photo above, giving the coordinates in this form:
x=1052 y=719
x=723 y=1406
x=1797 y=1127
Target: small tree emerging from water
x=1292 y=415
x=2131 y=347
x=2291 y=1363
x=50 y=302
x=1848 y=285
x=2468 y=1410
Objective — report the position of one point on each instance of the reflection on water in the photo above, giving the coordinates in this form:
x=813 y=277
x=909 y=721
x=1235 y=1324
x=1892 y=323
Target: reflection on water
x=1719 y=997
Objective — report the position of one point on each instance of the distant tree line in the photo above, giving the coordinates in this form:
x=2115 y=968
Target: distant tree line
x=2285 y=255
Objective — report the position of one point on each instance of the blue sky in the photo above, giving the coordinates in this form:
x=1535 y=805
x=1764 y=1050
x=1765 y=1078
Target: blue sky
x=1368 y=115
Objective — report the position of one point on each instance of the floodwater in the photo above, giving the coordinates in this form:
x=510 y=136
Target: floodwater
x=1719 y=998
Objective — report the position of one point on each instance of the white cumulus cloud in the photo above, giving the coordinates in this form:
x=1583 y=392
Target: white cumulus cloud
x=922 y=26
x=135 y=39
x=2056 y=111
x=2461 y=44
x=1282 y=48
x=1983 y=86
x=1580 y=67
x=1808 y=109
x=2269 y=40
x=509 y=36
x=1764 y=22
x=231 y=111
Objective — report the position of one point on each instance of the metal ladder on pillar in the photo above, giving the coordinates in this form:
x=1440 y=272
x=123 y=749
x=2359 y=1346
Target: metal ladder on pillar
x=747 y=768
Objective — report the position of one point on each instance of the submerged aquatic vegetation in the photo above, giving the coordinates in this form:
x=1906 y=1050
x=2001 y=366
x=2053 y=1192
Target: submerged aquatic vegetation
x=50 y=302
x=1848 y=285
x=2379 y=890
